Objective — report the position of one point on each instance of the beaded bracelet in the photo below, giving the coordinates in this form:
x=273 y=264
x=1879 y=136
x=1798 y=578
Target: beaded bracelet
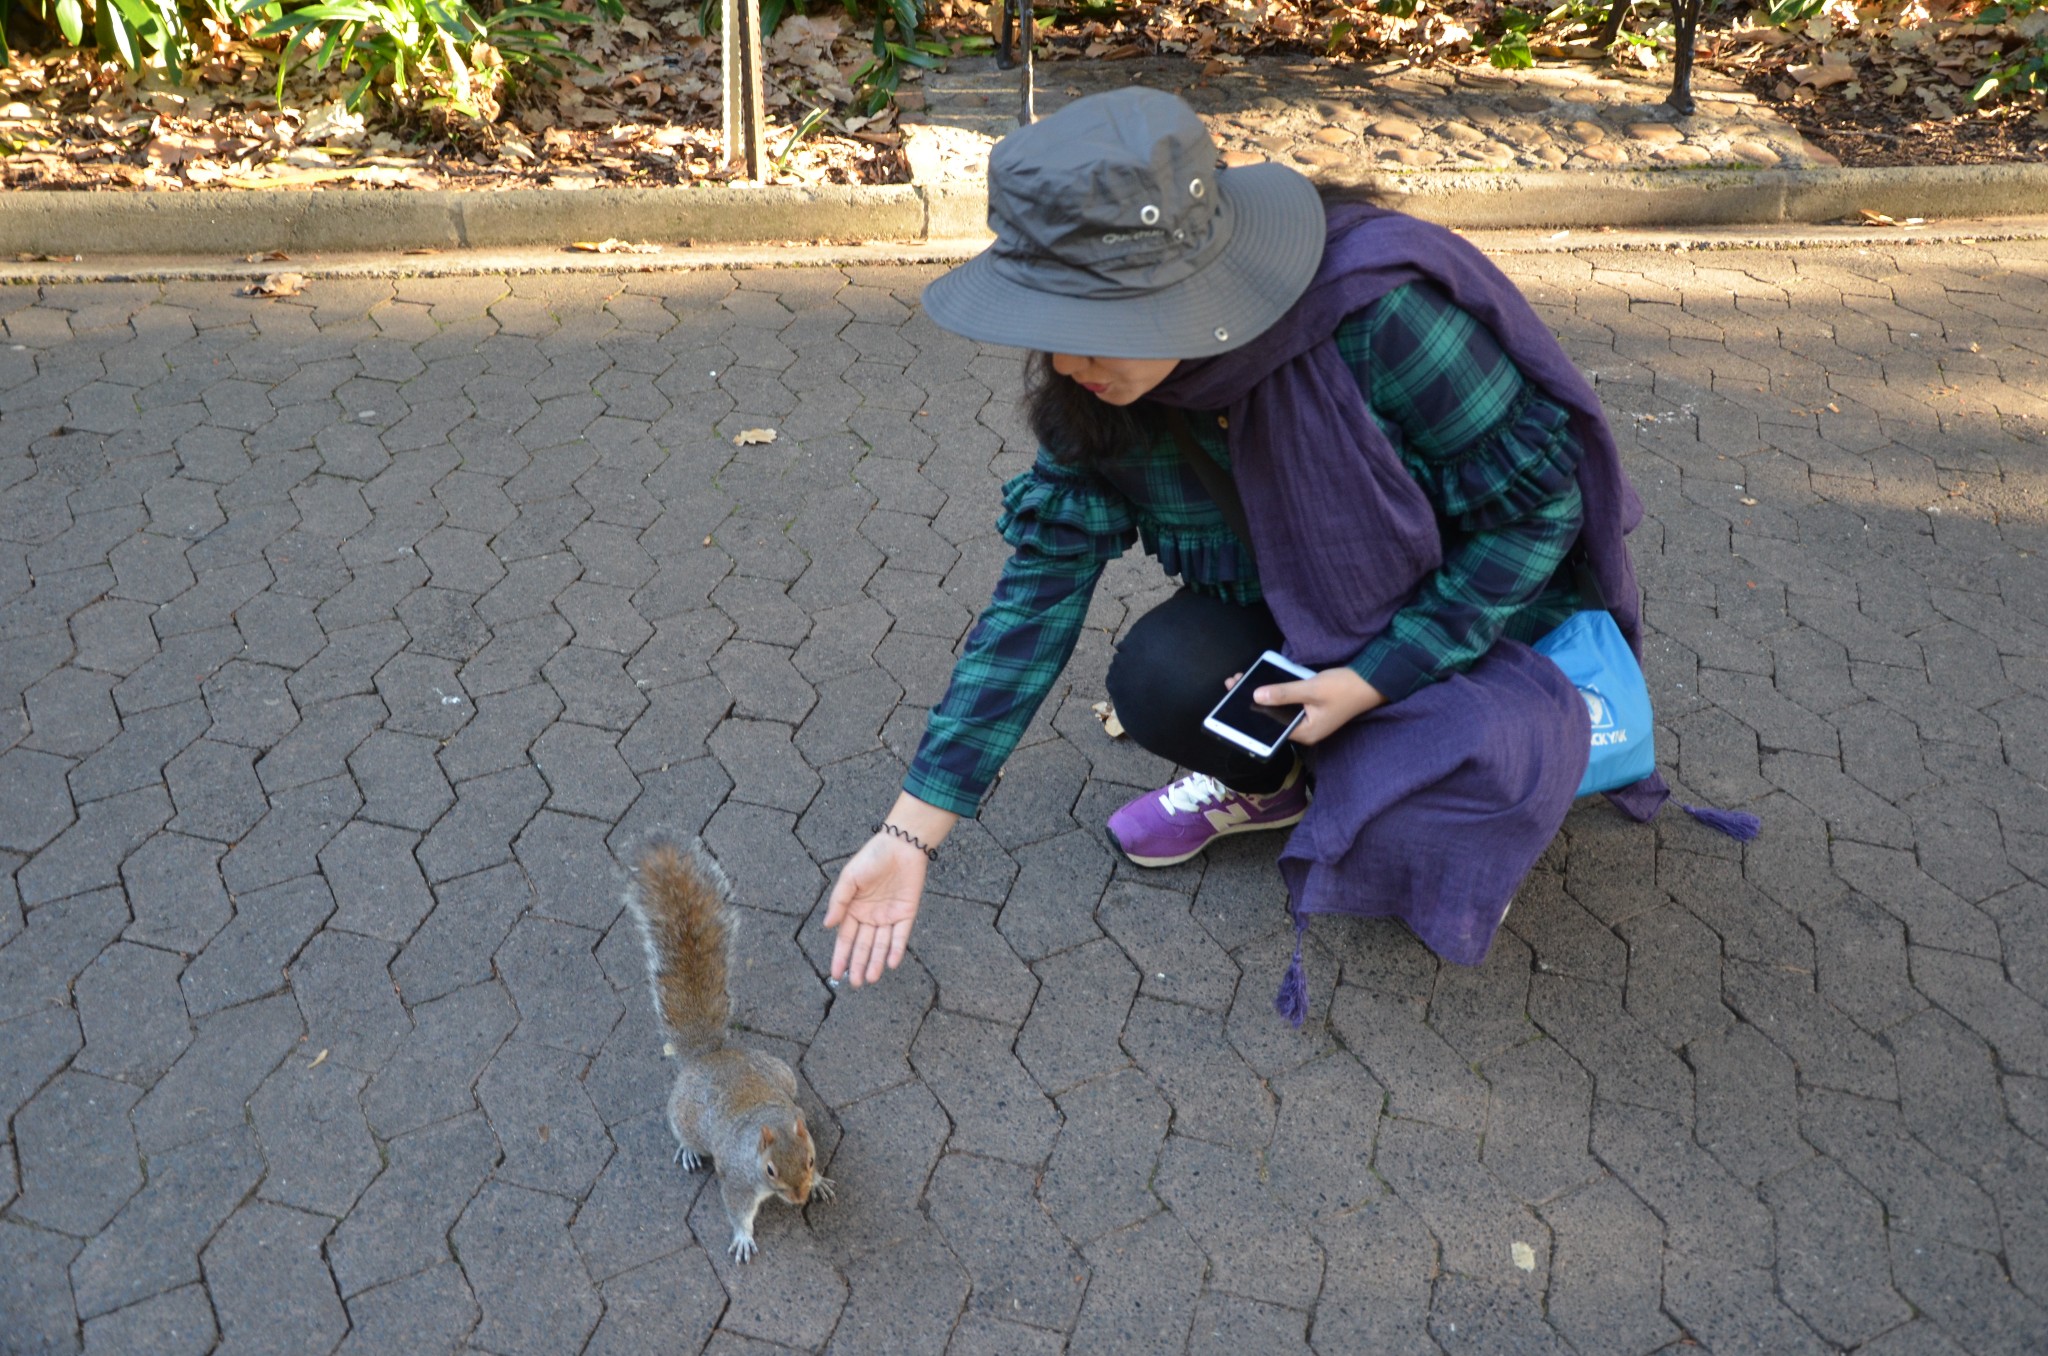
x=931 y=853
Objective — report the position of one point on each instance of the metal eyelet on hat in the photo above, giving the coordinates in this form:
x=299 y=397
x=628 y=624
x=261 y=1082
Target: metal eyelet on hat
x=1149 y=214
x=1196 y=188
x=1222 y=335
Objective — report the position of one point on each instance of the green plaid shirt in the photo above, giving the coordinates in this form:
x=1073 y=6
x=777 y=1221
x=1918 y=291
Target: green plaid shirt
x=1495 y=458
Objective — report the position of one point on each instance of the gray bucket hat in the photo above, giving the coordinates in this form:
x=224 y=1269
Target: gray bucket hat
x=1119 y=236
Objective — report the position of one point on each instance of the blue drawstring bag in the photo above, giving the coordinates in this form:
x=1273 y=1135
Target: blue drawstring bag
x=1590 y=649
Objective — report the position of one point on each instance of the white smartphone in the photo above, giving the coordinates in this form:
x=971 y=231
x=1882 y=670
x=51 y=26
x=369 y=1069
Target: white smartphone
x=1242 y=721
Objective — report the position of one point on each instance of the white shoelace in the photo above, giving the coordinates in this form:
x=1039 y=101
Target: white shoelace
x=1191 y=793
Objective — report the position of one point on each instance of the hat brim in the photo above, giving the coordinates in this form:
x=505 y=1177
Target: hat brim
x=1275 y=246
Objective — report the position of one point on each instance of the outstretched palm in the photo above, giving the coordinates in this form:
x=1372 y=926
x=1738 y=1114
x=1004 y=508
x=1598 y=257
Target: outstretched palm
x=873 y=905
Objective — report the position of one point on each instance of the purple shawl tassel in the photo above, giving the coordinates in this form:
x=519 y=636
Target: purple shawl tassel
x=1740 y=825
x=1292 y=1000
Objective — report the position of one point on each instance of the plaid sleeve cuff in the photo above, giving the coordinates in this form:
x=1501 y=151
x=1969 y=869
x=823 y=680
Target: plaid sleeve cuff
x=937 y=791
x=1394 y=669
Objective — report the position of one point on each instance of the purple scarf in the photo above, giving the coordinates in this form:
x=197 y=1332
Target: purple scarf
x=1431 y=809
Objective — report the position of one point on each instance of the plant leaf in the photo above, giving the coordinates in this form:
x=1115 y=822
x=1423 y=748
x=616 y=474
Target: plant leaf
x=115 y=35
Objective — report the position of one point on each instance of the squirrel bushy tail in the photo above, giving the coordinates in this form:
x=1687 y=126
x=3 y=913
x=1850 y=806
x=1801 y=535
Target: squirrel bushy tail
x=683 y=904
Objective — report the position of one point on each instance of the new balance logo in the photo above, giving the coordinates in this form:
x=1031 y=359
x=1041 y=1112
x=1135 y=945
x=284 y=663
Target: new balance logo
x=1224 y=818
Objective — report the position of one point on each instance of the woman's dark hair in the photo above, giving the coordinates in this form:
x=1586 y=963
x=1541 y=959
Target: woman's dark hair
x=1082 y=431
x=1069 y=422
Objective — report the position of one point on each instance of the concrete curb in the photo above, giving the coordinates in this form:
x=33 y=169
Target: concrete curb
x=220 y=222
x=215 y=223
x=1719 y=197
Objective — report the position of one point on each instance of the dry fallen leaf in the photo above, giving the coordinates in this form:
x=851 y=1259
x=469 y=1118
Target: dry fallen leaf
x=272 y=257
x=1106 y=713
x=613 y=246
x=276 y=285
x=318 y=1060
x=750 y=436
x=276 y=176
x=1832 y=69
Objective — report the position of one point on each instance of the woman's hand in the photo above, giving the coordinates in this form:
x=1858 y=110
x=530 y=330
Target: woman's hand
x=875 y=899
x=1330 y=701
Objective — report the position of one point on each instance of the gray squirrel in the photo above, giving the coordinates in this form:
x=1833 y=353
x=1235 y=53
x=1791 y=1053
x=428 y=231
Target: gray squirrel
x=736 y=1107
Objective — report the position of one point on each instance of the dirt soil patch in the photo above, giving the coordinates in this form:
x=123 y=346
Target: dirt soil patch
x=646 y=111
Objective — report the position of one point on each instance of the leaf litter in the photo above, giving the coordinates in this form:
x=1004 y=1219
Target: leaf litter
x=644 y=112
x=1888 y=82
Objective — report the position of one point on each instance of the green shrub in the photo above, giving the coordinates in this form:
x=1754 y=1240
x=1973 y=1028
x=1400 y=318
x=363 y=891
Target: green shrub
x=875 y=83
x=131 y=32
x=1510 y=51
x=421 y=54
x=2018 y=69
x=417 y=54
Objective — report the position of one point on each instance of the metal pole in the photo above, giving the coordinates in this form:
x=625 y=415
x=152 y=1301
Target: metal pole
x=744 y=113
x=1027 y=27
x=1687 y=13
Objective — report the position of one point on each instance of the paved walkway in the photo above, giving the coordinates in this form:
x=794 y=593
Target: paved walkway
x=346 y=636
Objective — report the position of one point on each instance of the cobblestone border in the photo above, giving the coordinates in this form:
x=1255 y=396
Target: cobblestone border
x=216 y=223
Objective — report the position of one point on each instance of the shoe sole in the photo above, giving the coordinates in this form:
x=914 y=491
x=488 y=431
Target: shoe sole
x=1135 y=860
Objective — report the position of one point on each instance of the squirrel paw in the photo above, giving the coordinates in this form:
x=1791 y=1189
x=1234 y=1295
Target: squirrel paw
x=742 y=1248
x=822 y=1189
x=689 y=1160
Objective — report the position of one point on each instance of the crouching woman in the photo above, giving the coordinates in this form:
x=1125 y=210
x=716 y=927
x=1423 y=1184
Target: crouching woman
x=1354 y=442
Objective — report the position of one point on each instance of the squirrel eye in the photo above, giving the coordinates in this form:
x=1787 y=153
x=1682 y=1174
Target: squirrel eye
x=770 y=1167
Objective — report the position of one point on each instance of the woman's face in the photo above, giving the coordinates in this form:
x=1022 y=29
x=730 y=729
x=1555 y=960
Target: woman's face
x=1114 y=381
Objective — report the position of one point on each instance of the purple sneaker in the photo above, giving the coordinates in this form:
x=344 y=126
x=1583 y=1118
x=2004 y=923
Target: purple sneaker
x=1170 y=825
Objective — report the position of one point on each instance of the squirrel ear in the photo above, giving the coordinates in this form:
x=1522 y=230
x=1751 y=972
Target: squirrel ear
x=803 y=1132
x=767 y=1137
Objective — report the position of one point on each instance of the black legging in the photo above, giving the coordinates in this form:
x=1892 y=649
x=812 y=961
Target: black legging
x=1169 y=671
